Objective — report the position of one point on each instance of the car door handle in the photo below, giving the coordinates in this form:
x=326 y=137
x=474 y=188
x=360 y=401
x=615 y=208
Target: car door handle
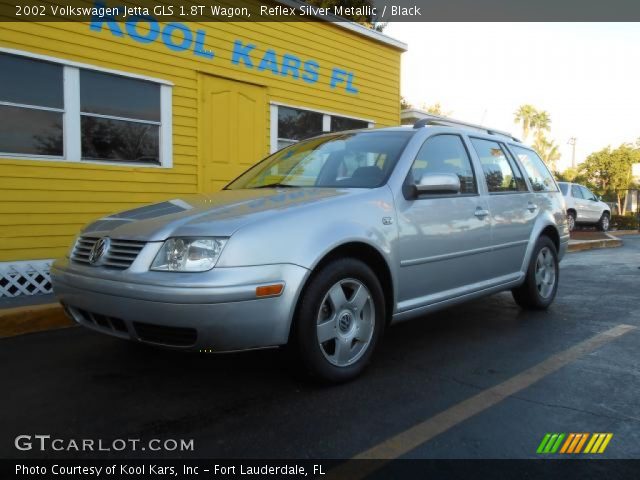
x=481 y=212
x=532 y=207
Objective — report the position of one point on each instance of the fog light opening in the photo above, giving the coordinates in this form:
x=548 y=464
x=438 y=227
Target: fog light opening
x=68 y=312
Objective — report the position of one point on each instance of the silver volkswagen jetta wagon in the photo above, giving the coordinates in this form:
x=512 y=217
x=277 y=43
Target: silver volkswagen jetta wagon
x=324 y=244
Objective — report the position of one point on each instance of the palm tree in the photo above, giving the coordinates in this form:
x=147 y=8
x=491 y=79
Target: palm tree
x=548 y=150
x=525 y=115
x=541 y=122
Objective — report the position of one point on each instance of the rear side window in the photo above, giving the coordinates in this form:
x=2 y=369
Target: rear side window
x=587 y=194
x=576 y=192
x=445 y=154
x=500 y=172
x=564 y=188
x=538 y=173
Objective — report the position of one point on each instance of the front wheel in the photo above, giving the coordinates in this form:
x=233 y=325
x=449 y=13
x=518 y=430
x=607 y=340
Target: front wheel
x=603 y=223
x=541 y=280
x=340 y=320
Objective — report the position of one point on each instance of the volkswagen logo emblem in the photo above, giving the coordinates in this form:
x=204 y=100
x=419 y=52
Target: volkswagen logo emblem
x=344 y=323
x=99 y=249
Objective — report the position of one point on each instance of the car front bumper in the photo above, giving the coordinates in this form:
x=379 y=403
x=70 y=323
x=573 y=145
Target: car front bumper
x=210 y=311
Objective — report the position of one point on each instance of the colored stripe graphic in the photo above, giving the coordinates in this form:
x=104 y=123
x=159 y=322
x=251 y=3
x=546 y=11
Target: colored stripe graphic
x=551 y=443
x=543 y=443
x=581 y=442
x=573 y=443
x=556 y=446
x=594 y=437
x=598 y=443
x=605 y=443
x=568 y=442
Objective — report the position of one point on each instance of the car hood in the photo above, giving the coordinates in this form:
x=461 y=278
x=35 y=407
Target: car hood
x=214 y=214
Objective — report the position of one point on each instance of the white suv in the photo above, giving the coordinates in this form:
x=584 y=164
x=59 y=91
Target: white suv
x=584 y=207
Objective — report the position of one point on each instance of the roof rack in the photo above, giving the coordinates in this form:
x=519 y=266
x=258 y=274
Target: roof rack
x=431 y=119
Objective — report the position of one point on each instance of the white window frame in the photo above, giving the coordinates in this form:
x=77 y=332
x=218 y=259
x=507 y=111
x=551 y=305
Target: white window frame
x=71 y=131
x=326 y=122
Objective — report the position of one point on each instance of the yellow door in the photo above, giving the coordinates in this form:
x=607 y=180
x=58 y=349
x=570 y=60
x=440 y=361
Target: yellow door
x=232 y=129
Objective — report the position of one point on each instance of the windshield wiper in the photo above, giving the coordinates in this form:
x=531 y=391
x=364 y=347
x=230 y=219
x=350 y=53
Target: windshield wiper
x=277 y=185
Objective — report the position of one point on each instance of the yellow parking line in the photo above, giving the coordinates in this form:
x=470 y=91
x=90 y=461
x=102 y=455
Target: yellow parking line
x=413 y=437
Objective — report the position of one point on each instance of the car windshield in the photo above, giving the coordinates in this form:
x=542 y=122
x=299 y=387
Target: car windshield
x=564 y=188
x=347 y=160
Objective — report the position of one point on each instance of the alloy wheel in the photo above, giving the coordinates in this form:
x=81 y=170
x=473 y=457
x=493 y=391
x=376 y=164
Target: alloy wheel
x=545 y=272
x=346 y=322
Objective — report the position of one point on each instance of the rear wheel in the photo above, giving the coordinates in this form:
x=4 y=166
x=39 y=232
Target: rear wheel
x=541 y=280
x=603 y=223
x=340 y=320
x=571 y=220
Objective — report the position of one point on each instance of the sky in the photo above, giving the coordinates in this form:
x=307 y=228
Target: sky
x=585 y=75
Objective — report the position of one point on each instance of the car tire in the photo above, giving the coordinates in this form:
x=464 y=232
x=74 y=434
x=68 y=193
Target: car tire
x=603 y=223
x=541 y=279
x=571 y=221
x=339 y=320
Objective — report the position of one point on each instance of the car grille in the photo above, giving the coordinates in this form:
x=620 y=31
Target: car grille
x=120 y=255
x=177 y=336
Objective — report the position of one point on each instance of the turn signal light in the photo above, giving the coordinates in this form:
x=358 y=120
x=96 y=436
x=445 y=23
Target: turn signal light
x=269 y=290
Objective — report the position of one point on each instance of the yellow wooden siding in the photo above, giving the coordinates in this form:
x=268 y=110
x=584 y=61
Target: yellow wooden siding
x=43 y=203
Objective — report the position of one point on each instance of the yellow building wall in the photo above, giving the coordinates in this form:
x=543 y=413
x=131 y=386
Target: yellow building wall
x=44 y=203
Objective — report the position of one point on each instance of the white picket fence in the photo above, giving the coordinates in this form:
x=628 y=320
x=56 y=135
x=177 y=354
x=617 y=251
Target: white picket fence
x=25 y=278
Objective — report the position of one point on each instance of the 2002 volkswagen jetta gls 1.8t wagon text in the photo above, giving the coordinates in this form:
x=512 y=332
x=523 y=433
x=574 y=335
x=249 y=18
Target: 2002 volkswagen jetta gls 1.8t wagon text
x=324 y=244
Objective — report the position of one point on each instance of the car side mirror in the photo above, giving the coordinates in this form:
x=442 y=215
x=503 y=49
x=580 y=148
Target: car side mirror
x=438 y=183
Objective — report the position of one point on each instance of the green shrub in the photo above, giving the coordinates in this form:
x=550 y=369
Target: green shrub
x=624 y=222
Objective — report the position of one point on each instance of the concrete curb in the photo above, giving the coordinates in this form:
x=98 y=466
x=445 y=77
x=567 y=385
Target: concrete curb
x=30 y=319
x=582 y=245
x=616 y=233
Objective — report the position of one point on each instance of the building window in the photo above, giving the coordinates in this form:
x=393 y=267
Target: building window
x=51 y=109
x=295 y=124
x=31 y=116
x=289 y=125
x=339 y=124
x=120 y=118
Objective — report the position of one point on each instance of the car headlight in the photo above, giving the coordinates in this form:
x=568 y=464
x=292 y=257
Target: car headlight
x=188 y=254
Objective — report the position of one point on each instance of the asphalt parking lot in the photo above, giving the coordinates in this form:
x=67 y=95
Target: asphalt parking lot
x=74 y=383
